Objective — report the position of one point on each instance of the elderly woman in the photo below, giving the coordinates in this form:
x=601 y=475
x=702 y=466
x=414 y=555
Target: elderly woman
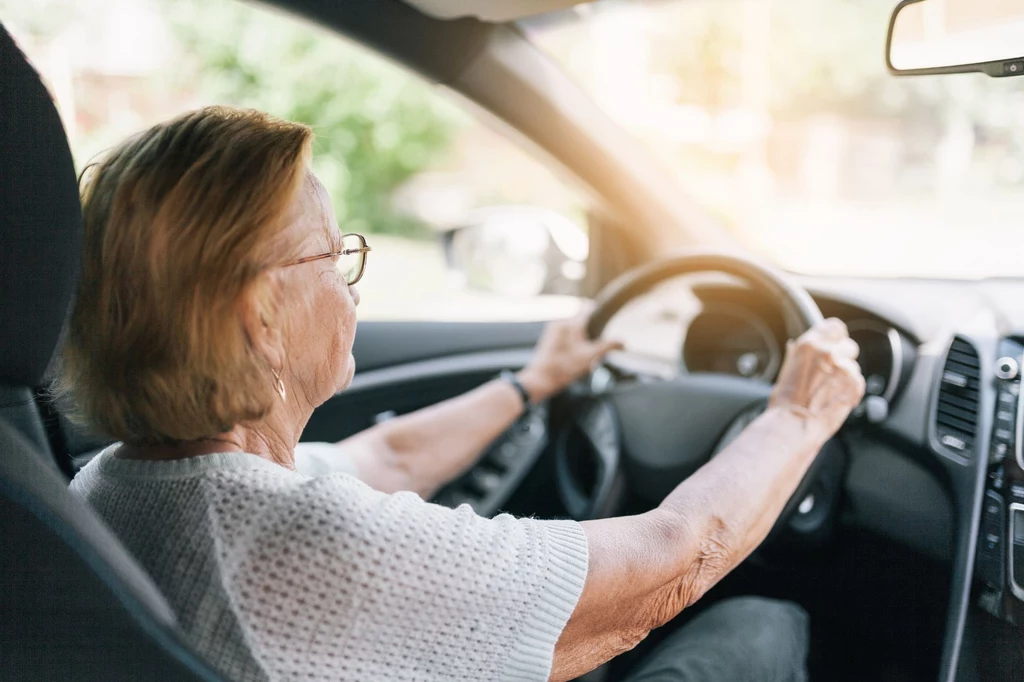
x=216 y=312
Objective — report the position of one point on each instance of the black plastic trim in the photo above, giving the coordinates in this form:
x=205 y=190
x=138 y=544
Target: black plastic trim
x=967 y=486
x=381 y=345
x=598 y=423
x=437 y=49
x=437 y=368
x=933 y=437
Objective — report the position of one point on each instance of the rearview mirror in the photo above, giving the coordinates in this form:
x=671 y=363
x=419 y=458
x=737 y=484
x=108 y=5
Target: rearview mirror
x=956 y=36
x=518 y=251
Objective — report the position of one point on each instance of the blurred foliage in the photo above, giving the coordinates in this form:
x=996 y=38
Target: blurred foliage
x=40 y=17
x=823 y=56
x=801 y=59
x=376 y=125
x=831 y=55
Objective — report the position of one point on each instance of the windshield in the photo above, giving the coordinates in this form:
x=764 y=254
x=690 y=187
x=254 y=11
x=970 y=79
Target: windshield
x=780 y=119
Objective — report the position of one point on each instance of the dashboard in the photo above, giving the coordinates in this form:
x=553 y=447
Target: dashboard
x=731 y=339
x=714 y=325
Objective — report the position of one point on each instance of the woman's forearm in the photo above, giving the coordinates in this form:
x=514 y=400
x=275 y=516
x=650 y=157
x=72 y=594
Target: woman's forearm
x=423 y=450
x=738 y=497
x=645 y=569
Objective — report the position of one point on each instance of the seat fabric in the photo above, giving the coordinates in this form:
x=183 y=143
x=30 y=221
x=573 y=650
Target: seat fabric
x=74 y=605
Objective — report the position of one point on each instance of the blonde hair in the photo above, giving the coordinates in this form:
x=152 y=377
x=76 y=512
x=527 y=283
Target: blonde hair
x=180 y=221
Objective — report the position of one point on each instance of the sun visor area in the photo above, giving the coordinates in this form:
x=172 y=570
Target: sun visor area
x=490 y=10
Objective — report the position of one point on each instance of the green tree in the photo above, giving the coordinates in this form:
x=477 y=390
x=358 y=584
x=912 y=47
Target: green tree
x=376 y=125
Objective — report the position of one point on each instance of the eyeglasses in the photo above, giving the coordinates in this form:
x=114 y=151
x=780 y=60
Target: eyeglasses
x=351 y=258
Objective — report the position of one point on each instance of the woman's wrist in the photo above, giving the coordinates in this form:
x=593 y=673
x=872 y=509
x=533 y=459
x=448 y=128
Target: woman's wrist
x=798 y=420
x=537 y=383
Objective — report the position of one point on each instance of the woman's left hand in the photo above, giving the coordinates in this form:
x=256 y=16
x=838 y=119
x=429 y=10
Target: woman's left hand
x=562 y=355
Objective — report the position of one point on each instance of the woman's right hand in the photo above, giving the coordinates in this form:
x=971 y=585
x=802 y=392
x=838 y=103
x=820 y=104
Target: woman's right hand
x=820 y=378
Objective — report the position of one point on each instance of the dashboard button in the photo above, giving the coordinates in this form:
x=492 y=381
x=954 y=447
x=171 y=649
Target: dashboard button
x=506 y=453
x=529 y=430
x=484 y=480
x=990 y=551
x=874 y=384
x=1007 y=368
x=997 y=479
x=998 y=452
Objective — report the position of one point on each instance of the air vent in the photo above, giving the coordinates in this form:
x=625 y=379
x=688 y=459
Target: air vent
x=956 y=417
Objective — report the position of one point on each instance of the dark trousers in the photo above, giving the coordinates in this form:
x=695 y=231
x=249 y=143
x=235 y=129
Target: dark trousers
x=745 y=639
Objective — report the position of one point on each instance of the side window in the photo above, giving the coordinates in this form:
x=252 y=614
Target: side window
x=463 y=225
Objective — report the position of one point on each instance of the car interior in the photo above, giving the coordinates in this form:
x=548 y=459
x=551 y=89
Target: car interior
x=905 y=542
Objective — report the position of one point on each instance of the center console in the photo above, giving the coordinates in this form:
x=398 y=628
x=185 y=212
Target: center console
x=999 y=564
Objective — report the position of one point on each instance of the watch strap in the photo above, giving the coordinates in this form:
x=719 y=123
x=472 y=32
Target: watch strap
x=511 y=378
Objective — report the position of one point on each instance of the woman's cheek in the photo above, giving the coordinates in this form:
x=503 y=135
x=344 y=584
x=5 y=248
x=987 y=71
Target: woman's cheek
x=351 y=295
x=346 y=312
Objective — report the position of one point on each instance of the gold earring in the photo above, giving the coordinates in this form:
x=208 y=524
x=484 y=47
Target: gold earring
x=279 y=383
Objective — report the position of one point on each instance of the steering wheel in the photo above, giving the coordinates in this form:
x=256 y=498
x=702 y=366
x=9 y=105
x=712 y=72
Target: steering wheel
x=651 y=435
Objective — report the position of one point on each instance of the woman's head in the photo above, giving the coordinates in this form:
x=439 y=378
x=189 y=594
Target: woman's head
x=185 y=315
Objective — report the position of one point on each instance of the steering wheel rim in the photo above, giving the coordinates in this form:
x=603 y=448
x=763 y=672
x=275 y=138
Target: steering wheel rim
x=802 y=308
x=803 y=313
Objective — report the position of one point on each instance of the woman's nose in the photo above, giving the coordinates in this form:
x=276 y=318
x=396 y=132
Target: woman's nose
x=354 y=293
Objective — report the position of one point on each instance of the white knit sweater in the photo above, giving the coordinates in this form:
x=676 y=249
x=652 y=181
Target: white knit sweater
x=275 y=575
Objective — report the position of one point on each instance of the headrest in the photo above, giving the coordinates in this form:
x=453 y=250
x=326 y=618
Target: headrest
x=40 y=221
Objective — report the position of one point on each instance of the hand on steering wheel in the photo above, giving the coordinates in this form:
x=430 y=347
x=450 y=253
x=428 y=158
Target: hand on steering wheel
x=820 y=378
x=648 y=436
x=563 y=354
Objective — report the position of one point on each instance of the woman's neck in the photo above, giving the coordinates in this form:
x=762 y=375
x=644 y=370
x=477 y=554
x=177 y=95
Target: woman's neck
x=239 y=439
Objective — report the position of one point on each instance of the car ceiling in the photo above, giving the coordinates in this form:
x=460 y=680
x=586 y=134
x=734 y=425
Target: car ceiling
x=489 y=10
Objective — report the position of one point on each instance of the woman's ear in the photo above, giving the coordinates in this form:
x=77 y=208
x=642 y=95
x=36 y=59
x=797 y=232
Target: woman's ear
x=261 y=322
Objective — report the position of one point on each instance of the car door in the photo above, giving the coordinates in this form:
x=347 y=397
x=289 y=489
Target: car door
x=404 y=366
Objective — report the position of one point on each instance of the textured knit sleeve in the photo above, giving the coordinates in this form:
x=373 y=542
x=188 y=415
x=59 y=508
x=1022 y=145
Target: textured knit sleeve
x=333 y=580
x=318 y=459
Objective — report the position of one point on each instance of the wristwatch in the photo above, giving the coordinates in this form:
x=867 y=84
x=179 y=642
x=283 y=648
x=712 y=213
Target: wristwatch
x=511 y=378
